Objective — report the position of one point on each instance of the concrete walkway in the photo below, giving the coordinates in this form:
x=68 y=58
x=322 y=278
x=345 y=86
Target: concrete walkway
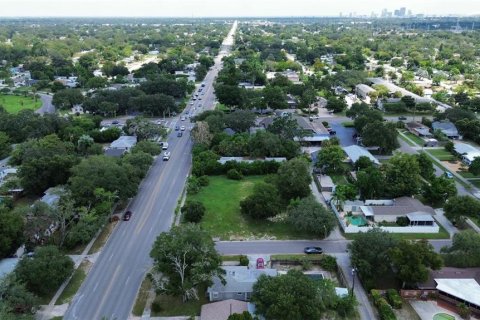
x=472 y=225
x=440 y=216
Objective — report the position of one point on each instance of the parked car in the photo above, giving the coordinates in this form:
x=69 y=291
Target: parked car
x=177 y=128
x=179 y=134
x=183 y=118
x=448 y=174
x=182 y=128
x=402 y=118
x=164 y=145
x=127 y=215
x=313 y=250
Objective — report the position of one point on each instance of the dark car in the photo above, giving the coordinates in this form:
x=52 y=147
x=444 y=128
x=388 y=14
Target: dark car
x=402 y=118
x=177 y=128
x=180 y=134
x=313 y=250
x=127 y=215
x=115 y=122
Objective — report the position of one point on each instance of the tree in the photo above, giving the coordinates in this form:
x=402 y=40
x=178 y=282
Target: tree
x=16 y=296
x=45 y=271
x=307 y=215
x=412 y=260
x=464 y=251
x=402 y=175
x=44 y=163
x=426 y=166
x=5 y=147
x=369 y=254
x=294 y=179
x=201 y=133
x=144 y=129
x=330 y=159
x=274 y=97
x=11 y=232
x=264 y=202
x=85 y=142
x=240 y=120
x=287 y=128
x=474 y=167
x=229 y=95
x=149 y=147
x=336 y=104
x=273 y=297
x=440 y=189
x=370 y=183
x=186 y=258
x=200 y=72
x=363 y=162
x=357 y=109
x=153 y=104
x=193 y=211
x=67 y=98
x=100 y=172
x=380 y=134
x=345 y=192
x=458 y=207
x=137 y=164
x=245 y=315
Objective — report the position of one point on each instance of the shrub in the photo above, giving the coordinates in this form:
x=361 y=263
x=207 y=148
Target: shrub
x=385 y=310
x=193 y=185
x=329 y=263
x=203 y=181
x=156 y=306
x=394 y=299
x=463 y=310
x=233 y=174
x=402 y=221
x=376 y=295
x=306 y=264
x=244 y=261
x=193 y=211
x=325 y=124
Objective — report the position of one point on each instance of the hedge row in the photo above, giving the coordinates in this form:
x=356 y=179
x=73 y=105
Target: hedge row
x=210 y=167
x=384 y=309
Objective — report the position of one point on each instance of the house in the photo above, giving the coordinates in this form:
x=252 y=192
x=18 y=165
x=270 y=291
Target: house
x=317 y=131
x=467 y=152
x=221 y=310
x=354 y=153
x=340 y=91
x=456 y=285
x=120 y=146
x=71 y=82
x=447 y=128
x=321 y=102
x=239 y=281
x=418 y=129
x=390 y=210
x=5 y=172
x=291 y=101
x=363 y=91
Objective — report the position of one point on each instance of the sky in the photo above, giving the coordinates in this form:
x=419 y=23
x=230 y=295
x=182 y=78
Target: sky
x=227 y=8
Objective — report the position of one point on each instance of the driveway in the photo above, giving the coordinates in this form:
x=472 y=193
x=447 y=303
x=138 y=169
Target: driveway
x=427 y=309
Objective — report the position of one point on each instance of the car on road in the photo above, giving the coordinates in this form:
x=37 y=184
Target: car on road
x=127 y=215
x=115 y=122
x=182 y=128
x=183 y=118
x=166 y=156
x=313 y=250
x=180 y=134
x=191 y=103
x=402 y=118
x=177 y=128
x=164 y=145
x=448 y=175
x=314 y=117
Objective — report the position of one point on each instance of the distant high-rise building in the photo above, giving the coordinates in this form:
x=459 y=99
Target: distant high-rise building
x=396 y=13
x=410 y=13
x=384 y=13
x=403 y=12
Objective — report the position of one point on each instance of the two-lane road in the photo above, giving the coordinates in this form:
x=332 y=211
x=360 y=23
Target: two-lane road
x=111 y=285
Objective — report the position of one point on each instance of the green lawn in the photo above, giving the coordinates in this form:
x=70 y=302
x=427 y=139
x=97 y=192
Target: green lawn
x=74 y=284
x=476 y=183
x=339 y=179
x=223 y=218
x=13 y=104
x=441 y=154
x=419 y=141
x=467 y=175
x=347 y=124
x=169 y=306
x=409 y=142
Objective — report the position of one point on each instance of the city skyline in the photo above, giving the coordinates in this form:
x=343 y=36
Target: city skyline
x=215 y=8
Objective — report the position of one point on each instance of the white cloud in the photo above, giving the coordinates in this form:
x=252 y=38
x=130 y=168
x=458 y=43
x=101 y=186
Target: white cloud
x=202 y=8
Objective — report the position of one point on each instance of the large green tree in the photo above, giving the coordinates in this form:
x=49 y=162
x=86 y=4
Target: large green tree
x=371 y=183
x=264 y=202
x=439 y=190
x=11 y=232
x=240 y=120
x=380 y=134
x=458 y=207
x=45 y=271
x=292 y=296
x=402 y=175
x=5 y=147
x=186 y=258
x=67 y=98
x=293 y=180
x=308 y=215
x=464 y=251
x=330 y=159
x=412 y=261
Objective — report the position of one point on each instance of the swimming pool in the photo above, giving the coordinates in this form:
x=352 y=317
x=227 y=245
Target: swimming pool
x=357 y=220
x=443 y=316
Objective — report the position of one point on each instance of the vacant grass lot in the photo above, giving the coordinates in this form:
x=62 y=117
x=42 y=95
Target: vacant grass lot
x=223 y=218
x=13 y=104
x=169 y=306
x=441 y=154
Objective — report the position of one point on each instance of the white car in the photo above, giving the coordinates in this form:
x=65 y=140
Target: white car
x=164 y=145
x=183 y=118
x=182 y=128
x=166 y=156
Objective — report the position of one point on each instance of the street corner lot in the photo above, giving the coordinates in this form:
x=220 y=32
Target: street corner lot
x=223 y=218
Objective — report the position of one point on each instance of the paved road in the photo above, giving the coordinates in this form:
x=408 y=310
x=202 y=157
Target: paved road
x=47 y=106
x=111 y=286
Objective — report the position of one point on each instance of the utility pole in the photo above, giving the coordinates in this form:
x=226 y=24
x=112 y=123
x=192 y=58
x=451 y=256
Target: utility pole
x=354 y=272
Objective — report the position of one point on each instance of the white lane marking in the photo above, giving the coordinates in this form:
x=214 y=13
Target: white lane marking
x=95 y=288
x=127 y=280
x=111 y=256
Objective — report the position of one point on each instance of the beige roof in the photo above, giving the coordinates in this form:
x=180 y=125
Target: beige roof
x=222 y=310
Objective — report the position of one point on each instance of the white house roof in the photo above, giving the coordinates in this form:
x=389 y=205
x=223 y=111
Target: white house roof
x=446 y=127
x=364 y=88
x=418 y=216
x=7 y=265
x=124 y=142
x=354 y=152
x=466 y=150
x=465 y=289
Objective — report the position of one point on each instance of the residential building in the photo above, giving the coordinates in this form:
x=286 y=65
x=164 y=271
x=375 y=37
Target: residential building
x=363 y=91
x=120 y=146
x=221 y=310
x=317 y=130
x=467 y=152
x=291 y=101
x=239 y=281
x=419 y=129
x=70 y=82
x=354 y=153
x=447 y=128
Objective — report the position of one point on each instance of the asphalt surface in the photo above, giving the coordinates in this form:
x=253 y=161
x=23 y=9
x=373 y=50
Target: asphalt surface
x=47 y=106
x=112 y=284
